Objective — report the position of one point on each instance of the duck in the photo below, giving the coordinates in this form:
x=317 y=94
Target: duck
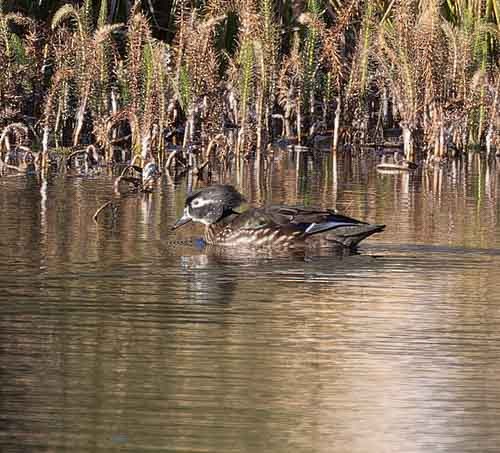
x=273 y=226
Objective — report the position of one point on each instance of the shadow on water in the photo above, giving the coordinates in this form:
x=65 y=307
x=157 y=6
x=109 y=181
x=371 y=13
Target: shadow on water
x=123 y=336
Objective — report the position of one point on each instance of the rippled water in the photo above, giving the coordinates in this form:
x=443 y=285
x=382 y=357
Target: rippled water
x=112 y=338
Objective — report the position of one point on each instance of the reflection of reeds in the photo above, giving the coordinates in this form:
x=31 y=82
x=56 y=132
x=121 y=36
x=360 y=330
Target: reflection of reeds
x=343 y=68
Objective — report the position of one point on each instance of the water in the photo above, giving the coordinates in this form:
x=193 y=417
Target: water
x=114 y=339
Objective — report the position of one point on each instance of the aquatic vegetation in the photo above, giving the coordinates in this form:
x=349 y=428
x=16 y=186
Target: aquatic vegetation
x=189 y=82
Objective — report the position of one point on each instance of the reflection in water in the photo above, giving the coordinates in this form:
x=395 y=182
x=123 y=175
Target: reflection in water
x=129 y=337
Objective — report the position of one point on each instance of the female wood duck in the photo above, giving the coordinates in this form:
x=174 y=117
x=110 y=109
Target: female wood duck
x=269 y=226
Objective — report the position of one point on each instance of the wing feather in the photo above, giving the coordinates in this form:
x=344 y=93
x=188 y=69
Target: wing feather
x=303 y=220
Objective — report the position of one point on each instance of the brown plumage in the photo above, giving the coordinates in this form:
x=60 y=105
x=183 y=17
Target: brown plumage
x=269 y=226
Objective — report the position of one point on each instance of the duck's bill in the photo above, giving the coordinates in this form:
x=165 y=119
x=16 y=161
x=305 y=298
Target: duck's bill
x=182 y=221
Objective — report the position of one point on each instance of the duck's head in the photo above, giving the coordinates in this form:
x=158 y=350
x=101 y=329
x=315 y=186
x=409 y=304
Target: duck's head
x=210 y=204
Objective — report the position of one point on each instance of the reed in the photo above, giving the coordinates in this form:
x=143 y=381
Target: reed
x=147 y=77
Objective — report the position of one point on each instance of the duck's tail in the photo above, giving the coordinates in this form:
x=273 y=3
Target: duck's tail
x=352 y=235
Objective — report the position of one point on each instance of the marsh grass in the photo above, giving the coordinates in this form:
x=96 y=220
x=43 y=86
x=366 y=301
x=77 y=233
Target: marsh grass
x=230 y=77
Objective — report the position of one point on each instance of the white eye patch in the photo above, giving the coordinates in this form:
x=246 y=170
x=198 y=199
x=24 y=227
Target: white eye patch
x=198 y=203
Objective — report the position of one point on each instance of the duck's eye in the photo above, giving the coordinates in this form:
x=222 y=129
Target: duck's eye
x=196 y=203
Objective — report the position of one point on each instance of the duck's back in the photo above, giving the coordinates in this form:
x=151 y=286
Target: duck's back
x=289 y=227
x=255 y=227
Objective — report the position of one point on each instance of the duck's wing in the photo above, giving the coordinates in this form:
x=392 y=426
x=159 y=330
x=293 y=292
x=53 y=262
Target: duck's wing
x=305 y=224
x=310 y=221
x=296 y=219
x=337 y=228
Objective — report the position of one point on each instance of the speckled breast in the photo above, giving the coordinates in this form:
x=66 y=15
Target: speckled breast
x=262 y=237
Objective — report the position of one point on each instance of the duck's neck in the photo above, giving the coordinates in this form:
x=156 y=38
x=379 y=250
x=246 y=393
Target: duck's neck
x=214 y=230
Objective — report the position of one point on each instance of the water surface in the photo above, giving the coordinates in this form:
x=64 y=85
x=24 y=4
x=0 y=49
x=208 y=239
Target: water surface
x=113 y=338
